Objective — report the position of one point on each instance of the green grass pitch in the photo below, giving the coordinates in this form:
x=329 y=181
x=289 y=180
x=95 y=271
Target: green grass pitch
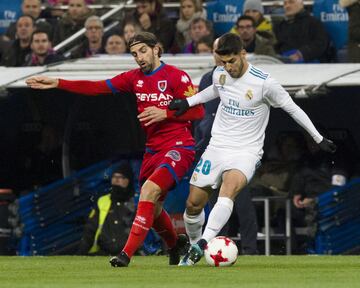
x=153 y=271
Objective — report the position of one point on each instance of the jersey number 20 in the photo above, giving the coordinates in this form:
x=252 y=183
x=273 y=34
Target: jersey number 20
x=203 y=166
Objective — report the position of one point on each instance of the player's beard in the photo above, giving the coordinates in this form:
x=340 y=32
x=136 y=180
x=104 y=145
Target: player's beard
x=238 y=73
x=149 y=67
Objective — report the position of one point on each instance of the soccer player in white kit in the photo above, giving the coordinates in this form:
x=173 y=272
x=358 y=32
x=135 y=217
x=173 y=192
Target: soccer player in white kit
x=237 y=138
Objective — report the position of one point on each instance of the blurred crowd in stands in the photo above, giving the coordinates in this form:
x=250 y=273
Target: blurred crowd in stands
x=291 y=34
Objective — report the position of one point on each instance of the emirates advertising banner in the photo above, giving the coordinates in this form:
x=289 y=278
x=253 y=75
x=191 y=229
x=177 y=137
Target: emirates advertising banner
x=224 y=14
x=335 y=19
x=9 y=12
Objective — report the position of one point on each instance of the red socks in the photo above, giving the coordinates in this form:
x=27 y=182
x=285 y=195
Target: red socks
x=142 y=223
x=164 y=227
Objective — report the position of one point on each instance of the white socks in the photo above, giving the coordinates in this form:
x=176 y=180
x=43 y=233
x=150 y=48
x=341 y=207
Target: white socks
x=218 y=217
x=193 y=226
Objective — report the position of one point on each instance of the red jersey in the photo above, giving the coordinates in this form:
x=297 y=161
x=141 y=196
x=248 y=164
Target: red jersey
x=158 y=88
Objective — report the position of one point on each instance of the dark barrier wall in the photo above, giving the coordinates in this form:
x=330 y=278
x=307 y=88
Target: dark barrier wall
x=335 y=111
x=34 y=122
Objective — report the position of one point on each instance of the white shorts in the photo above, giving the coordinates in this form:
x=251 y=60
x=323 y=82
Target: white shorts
x=214 y=162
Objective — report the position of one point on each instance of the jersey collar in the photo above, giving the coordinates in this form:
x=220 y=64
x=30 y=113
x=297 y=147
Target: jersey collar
x=162 y=64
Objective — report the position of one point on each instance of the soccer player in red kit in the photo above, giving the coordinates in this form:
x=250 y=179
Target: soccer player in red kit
x=169 y=145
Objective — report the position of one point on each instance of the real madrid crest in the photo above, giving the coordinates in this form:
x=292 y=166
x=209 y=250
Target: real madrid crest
x=194 y=177
x=222 y=79
x=249 y=94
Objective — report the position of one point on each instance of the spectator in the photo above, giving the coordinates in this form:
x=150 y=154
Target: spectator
x=319 y=173
x=115 y=45
x=94 y=43
x=130 y=29
x=31 y=8
x=300 y=36
x=41 y=52
x=189 y=10
x=152 y=18
x=109 y=223
x=353 y=8
x=199 y=27
x=204 y=45
x=20 y=47
x=253 y=42
x=255 y=9
x=72 y=21
x=127 y=28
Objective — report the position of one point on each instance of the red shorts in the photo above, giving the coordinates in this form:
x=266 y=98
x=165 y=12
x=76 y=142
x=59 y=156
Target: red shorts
x=177 y=160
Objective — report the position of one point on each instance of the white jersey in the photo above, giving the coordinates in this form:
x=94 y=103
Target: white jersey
x=244 y=109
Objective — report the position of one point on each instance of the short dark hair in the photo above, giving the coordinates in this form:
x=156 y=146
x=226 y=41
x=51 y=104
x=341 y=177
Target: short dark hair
x=39 y=32
x=208 y=24
x=245 y=17
x=229 y=43
x=27 y=16
x=147 y=38
x=207 y=40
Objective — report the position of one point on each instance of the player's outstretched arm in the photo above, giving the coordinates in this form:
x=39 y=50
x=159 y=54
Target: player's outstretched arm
x=84 y=87
x=42 y=82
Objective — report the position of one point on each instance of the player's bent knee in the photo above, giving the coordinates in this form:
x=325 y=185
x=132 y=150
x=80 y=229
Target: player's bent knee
x=150 y=192
x=193 y=208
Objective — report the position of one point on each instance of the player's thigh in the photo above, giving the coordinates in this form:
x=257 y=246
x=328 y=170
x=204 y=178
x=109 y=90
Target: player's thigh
x=233 y=182
x=244 y=161
x=238 y=171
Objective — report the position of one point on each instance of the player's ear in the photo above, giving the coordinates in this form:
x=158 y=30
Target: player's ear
x=156 y=50
x=243 y=54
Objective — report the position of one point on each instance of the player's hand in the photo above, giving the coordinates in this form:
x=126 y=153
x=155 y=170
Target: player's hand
x=42 y=82
x=297 y=200
x=327 y=145
x=181 y=105
x=152 y=115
